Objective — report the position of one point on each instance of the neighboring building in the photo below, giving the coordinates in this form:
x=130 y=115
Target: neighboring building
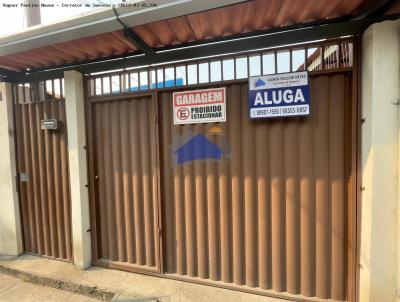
x=293 y=208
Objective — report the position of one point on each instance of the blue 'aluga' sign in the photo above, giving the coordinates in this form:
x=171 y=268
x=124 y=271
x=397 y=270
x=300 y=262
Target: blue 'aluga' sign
x=279 y=95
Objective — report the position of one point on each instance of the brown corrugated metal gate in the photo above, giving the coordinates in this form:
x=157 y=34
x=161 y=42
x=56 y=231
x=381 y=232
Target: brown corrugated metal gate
x=42 y=157
x=276 y=216
x=126 y=182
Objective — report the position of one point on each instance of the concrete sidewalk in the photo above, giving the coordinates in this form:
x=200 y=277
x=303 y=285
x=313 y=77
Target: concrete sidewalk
x=112 y=285
x=15 y=290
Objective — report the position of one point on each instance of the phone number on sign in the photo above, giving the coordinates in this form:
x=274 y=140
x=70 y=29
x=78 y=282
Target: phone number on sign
x=279 y=111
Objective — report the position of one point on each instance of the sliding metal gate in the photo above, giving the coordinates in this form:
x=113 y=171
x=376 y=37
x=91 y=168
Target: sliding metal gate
x=274 y=213
x=43 y=179
x=275 y=216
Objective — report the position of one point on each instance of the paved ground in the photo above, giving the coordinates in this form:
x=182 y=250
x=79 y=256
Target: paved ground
x=15 y=290
x=137 y=287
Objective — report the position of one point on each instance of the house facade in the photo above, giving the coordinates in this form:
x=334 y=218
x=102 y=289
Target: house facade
x=102 y=167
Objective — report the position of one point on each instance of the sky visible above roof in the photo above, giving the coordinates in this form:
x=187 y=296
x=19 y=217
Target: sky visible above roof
x=12 y=18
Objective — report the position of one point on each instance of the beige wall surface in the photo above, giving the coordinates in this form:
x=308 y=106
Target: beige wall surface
x=80 y=215
x=380 y=165
x=10 y=228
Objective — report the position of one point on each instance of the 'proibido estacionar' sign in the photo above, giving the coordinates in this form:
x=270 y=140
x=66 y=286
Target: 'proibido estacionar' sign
x=279 y=95
x=199 y=106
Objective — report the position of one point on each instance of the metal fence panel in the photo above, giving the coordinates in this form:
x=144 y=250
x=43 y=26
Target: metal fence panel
x=43 y=176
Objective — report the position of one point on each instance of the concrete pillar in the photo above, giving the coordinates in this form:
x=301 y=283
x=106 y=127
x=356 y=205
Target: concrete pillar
x=380 y=163
x=74 y=100
x=10 y=223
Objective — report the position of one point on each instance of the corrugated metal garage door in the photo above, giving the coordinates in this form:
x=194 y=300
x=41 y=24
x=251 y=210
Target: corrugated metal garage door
x=125 y=166
x=43 y=172
x=274 y=213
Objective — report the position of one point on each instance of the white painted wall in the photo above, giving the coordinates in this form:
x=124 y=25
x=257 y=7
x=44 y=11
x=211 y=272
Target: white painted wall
x=10 y=227
x=80 y=218
x=380 y=165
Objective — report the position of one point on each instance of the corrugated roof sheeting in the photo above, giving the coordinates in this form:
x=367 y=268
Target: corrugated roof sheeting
x=235 y=19
x=249 y=16
x=93 y=47
x=394 y=10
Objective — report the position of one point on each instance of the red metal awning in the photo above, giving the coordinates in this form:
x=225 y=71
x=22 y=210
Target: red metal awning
x=230 y=20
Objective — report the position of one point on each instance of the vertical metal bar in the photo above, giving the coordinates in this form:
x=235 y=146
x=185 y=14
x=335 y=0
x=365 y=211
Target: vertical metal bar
x=52 y=88
x=31 y=95
x=61 y=89
x=222 y=70
x=290 y=59
x=198 y=72
x=164 y=80
x=234 y=68
x=209 y=71
x=187 y=76
x=305 y=58
x=16 y=93
x=24 y=93
x=248 y=65
x=174 y=69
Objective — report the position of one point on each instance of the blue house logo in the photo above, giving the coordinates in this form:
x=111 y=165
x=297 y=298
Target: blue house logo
x=259 y=83
x=198 y=147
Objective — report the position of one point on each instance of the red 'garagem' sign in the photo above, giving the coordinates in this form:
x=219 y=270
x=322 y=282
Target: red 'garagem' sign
x=199 y=106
